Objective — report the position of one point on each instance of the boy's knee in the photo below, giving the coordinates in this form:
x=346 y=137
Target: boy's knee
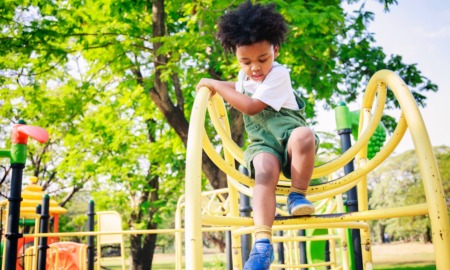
x=267 y=172
x=267 y=168
x=303 y=137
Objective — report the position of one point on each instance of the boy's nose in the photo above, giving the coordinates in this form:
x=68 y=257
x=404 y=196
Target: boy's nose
x=255 y=67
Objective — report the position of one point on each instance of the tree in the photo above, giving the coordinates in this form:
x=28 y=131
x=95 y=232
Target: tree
x=397 y=182
x=111 y=80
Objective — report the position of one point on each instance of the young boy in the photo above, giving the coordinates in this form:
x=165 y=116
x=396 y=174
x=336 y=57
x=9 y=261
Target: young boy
x=273 y=117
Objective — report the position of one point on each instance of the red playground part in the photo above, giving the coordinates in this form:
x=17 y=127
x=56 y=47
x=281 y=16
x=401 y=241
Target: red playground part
x=66 y=256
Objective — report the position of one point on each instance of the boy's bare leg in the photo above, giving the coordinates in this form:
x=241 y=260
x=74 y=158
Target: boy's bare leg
x=301 y=151
x=267 y=172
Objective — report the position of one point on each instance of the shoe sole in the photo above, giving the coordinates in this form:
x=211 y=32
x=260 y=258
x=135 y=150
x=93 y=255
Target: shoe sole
x=303 y=210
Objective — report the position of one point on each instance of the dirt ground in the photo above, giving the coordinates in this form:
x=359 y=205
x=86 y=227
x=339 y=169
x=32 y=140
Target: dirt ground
x=402 y=253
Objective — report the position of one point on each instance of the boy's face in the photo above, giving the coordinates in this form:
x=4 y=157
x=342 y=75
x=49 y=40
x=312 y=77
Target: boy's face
x=256 y=59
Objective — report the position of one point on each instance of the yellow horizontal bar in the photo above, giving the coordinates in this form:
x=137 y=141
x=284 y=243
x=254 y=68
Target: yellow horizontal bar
x=125 y=232
x=405 y=211
x=297 y=266
x=278 y=239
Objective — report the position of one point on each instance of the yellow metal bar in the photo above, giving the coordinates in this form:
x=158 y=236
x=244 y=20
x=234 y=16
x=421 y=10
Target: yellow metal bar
x=298 y=266
x=193 y=183
x=332 y=247
x=410 y=117
x=232 y=192
x=30 y=258
x=404 y=211
x=293 y=226
x=368 y=166
x=223 y=165
x=429 y=171
x=125 y=232
x=362 y=141
x=178 y=223
x=218 y=115
x=361 y=160
x=279 y=239
x=294 y=250
x=342 y=234
x=313 y=190
x=4 y=238
x=228 y=143
x=221 y=125
x=178 y=235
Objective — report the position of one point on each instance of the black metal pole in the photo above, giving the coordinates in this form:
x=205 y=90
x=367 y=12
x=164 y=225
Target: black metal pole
x=91 y=223
x=228 y=251
x=1 y=223
x=352 y=198
x=327 y=253
x=38 y=212
x=245 y=210
x=43 y=228
x=280 y=249
x=344 y=128
x=302 y=247
x=12 y=234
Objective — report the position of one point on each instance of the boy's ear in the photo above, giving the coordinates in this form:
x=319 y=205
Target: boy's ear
x=276 y=48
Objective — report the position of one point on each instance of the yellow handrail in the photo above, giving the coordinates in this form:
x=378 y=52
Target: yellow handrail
x=370 y=117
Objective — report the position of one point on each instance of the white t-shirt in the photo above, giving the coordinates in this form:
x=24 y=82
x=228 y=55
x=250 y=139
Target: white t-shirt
x=275 y=91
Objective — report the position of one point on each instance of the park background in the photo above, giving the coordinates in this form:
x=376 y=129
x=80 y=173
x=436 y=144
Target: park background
x=420 y=32
x=94 y=150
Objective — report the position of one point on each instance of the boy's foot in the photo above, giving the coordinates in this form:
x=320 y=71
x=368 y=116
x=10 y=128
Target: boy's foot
x=261 y=255
x=298 y=205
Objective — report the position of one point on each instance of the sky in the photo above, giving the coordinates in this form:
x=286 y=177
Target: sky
x=419 y=31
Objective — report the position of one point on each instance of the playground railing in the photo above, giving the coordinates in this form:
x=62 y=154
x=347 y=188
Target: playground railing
x=370 y=116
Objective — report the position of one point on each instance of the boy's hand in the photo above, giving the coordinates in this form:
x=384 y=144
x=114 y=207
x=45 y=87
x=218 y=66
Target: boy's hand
x=207 y=83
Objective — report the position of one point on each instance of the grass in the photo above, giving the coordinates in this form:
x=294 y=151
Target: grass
x=218 y=263
x=207 y=265
x=210 y=261
x=215 y=265
x=398 y=256
x=415 y=266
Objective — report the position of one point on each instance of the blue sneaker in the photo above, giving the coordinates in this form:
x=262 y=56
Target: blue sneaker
x=261 y=255
x=298 y=205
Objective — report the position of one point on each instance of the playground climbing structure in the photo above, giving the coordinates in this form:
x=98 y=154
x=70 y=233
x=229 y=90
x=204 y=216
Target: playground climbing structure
x=370 y=114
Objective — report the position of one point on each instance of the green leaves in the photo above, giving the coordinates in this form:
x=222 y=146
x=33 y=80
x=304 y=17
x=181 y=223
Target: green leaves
x=397 y=182
x=85 y=71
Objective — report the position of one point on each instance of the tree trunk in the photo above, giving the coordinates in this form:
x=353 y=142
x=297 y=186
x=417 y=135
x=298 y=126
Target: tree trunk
x=382 y=231
x=174 y=113
x=142 y=247
x=217 y=239
x=427 y=237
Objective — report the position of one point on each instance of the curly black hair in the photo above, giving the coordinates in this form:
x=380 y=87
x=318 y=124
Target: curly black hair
x=251 y=23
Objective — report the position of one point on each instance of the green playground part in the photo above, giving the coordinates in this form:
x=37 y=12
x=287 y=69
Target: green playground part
x=27 y=222
x=316 y=249
x=376 y=141
x=345 y=119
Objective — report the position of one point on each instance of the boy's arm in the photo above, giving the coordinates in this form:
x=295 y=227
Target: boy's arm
x=227 y=90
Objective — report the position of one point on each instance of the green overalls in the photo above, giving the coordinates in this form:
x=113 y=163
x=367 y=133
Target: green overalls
x=269 y=132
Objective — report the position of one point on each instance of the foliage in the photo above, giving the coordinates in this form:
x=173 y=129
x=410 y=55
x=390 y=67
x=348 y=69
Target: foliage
x=397 y=182
x=111 y=82
x=85 y=59
x=443 y=159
